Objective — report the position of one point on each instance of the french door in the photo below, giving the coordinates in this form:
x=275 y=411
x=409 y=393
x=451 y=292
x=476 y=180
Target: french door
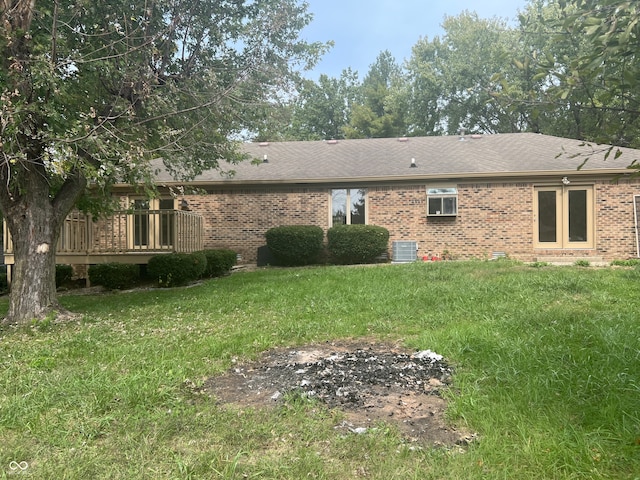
x=563 y=217
x=152 y=224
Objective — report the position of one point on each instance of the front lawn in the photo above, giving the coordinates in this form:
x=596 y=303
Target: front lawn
x=547 y=372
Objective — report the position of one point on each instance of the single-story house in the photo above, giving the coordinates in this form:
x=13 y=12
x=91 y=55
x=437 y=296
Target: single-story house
x=521 y=195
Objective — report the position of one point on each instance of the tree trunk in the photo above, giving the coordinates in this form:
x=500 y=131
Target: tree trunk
x=34 y=218
x=33 y=283
x=33 y=200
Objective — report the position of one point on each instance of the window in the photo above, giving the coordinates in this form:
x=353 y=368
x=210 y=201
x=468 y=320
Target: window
x=442 y=201
x=564 y=217
x=348 y=206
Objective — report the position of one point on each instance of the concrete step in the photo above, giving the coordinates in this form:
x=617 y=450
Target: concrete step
x=559 y=260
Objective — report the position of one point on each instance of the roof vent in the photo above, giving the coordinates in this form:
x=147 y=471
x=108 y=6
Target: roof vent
x=332 y=141
x=413 y=163
x=403 y=139
x=265 y=159
x=462 y=131
x=263 y=144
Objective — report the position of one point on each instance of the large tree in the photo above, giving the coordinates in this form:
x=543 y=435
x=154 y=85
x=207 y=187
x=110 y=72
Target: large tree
x=424 y=90
x=91 y=91
x=581 y=61
x=450 y=78
x=607 y=74
x=378 y=115
x=323 y=108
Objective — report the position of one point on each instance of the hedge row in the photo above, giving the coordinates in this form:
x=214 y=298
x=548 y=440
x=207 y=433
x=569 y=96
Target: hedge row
x=347 y=244
x=63 y=274
x=357 y=243
x=219 y=262
x=167 y=270
x=177 y=269
x=114 y=276
x=296 y=244
x=170 y=270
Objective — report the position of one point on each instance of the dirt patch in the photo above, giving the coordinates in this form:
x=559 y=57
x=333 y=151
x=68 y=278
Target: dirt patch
x=369 y=382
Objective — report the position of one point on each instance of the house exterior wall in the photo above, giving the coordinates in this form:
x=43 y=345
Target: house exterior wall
x=493 y=217
x=239 y=219
x=615 y=218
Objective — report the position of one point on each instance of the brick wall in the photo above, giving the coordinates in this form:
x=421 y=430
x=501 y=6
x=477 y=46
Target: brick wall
x=492 y=217
x=615 y=221
x=238 y=220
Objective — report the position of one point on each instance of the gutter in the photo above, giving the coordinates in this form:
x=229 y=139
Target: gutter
x=465 y=176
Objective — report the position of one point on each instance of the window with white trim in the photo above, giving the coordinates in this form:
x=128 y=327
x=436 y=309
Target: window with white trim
x=442 y=201
x=348 y=206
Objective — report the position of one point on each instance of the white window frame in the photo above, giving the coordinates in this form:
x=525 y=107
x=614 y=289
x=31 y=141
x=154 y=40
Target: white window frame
x=348 y=205
x=442 y=193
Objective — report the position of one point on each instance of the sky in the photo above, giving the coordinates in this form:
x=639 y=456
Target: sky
x=361 y=29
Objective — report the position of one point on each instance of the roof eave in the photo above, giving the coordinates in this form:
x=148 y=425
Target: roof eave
x=402 y=178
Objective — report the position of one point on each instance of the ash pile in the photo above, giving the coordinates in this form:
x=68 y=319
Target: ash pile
x=348 y=379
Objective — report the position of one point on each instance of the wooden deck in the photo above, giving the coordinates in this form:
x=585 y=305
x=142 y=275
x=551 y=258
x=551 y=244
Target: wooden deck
x=124 y=237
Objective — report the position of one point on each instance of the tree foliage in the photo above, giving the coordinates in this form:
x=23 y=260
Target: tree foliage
x=92 y=91
x=568 y=68
x=450 y=78
x=581 y=61
x=608 y=72
x=377 y=115
x=323 y=109
x=445 y=85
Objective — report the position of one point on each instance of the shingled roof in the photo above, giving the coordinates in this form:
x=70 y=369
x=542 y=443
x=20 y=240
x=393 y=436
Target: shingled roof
x=390 y=159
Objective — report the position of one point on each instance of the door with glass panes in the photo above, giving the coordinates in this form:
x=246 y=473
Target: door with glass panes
x=563 y=217
x=152 y=224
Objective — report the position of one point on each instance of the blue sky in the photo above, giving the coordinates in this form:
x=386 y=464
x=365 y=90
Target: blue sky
x=361 y=29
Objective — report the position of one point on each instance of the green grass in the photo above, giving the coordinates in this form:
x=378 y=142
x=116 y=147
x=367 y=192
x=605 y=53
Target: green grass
x=547 y=373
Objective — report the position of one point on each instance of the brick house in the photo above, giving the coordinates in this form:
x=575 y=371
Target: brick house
x=480 y=196
x=477 y=196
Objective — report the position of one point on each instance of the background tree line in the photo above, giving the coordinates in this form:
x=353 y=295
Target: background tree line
x=567 y=68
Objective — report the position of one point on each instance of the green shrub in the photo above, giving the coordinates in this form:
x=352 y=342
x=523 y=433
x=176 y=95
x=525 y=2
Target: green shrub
x=4 y=283
x=540 y=264
x=114 y=276
x=582 y=263
x=175 y=269
x=63 y=274
x=219 y=262
x=630 y=262
x=357 y=243
x=295 y=244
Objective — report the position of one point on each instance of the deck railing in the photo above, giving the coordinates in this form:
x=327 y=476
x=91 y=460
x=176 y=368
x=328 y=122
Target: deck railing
x=137 y=231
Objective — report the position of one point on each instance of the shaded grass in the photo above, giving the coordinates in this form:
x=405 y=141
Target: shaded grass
x=547 y=372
